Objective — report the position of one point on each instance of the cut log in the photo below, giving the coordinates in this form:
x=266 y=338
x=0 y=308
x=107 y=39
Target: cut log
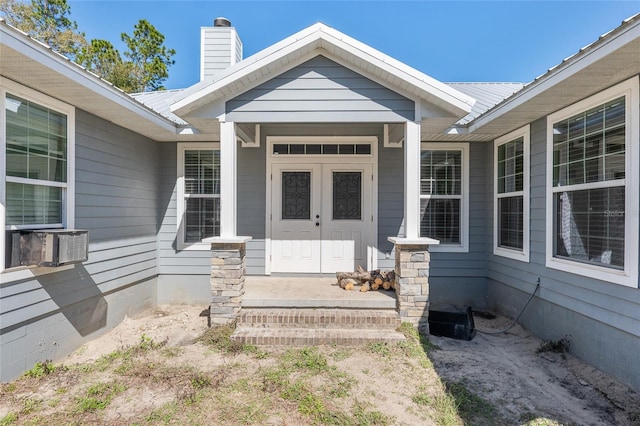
x=359 y=276
x=364 y=287
x=375 y=286
x=348 y=283
x=386 y=285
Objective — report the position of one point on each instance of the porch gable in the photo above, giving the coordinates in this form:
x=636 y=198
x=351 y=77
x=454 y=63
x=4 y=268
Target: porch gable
x=320 y=90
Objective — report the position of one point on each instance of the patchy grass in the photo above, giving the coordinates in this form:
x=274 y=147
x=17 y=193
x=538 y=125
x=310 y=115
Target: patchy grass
x=41 y=369
x=219 y=381
x=470 y=407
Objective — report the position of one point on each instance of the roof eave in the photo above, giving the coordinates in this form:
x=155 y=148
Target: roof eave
x=142 y=119
x=607 y=44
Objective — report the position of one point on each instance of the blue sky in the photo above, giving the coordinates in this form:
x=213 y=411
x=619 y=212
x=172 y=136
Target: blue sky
x=451 y=41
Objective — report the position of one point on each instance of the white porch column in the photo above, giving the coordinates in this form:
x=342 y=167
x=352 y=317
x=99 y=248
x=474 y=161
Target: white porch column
x=412 y=180
x=228 y=179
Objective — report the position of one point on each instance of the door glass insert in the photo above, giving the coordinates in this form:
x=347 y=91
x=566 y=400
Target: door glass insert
x=347 y=195
x=296 y=195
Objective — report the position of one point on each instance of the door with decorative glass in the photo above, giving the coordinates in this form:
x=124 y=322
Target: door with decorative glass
x=322 y=217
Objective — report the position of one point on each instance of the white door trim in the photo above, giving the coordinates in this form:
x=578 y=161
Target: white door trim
x=372 y=159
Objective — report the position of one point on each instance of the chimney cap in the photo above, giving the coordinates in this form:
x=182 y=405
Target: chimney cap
x=221 y=22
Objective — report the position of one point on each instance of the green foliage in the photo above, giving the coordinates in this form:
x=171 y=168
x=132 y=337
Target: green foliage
x=164 y=414
x=29 y=405
x=47 y=21
x=341 y=354
x=103 y=59
x=379 y=348
x=39 y=370
x=144 y=66
x=220 y=338
x=470 y=407
x=421 y=398
x=99 y=396
x=148 y=56
x=364 y=417
x=306 y=359
x=9 y=419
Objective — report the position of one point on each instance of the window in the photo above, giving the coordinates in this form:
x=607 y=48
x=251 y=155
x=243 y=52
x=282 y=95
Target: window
x=511 y=195
x=444 y=195
x=592 y=186
x=37 y=139
x=198 y=194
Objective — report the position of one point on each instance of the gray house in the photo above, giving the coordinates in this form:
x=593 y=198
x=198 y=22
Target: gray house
x=315 y=155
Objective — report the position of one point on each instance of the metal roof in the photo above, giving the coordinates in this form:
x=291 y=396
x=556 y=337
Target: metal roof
x=161 y=102
x=487 y=95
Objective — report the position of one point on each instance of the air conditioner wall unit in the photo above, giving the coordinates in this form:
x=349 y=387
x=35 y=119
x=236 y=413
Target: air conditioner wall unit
x=51 y=247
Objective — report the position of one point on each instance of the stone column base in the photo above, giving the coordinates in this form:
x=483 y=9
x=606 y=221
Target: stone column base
x=412 y=280
x=228 y=268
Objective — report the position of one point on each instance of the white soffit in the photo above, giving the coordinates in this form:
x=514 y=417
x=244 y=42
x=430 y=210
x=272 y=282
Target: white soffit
x=308 y=43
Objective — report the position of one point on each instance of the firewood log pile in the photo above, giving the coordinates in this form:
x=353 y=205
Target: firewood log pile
x=367 y=280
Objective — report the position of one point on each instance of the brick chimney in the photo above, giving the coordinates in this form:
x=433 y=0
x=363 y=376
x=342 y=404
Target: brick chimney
x=220 y=47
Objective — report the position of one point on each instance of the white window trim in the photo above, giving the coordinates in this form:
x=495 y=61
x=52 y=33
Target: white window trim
x=180 y=204
x=68 y=204
x=512 y=253
x=463 y=247
x=629 y=276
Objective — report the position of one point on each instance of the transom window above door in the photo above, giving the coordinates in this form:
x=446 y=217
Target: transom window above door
x=321 y=149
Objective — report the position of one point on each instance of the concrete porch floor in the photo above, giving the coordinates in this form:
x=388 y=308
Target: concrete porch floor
x=310 y=292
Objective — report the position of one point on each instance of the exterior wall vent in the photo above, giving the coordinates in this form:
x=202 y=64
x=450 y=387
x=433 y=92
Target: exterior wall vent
x=55 y=247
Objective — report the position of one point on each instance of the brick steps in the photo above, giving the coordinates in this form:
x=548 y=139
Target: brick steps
x=306 y=327
x=313 y=337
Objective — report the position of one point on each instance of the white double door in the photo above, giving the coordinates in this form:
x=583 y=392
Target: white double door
x=321 y=217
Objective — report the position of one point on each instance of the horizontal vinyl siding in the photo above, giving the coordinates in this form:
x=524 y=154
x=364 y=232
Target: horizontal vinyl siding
x=602 y=320
x=320 y=90
x=170 y=260
x=48 y=315
x=390 y=202
x=460 y=278
x=252 y=205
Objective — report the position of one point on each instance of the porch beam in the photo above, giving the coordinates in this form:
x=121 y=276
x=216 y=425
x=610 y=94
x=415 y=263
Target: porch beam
x=228 y=179
x=412 y=180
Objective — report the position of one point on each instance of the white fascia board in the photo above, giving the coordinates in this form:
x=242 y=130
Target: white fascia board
x=572 y=65
x=44 y=55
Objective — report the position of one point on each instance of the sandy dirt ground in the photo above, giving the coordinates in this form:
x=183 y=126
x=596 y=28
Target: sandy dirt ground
x=505 y=369
x=509 y=370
